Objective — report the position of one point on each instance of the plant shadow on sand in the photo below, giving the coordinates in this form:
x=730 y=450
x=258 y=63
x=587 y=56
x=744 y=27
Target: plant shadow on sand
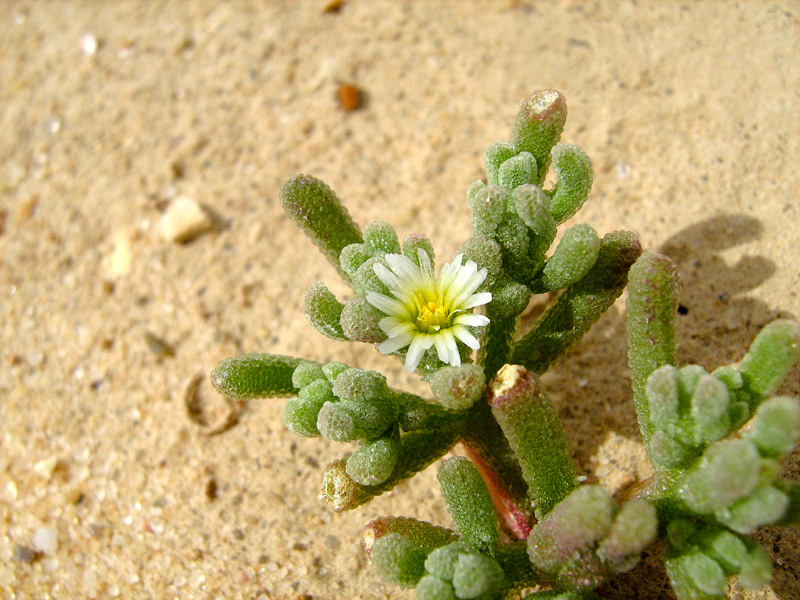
x=716 y=323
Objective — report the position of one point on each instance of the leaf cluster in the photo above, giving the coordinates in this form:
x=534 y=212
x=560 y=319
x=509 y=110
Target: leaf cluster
x=522 y=518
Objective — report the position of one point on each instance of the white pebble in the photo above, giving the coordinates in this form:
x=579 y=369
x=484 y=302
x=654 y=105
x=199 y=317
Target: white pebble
x=53 y=126
x=118 y=262
x=45 y=467
x=36 y=358
x=184 y=220
x=89 y=44
x=197 y=579
x=10 y=492
x=624 y=170
x=45 y=539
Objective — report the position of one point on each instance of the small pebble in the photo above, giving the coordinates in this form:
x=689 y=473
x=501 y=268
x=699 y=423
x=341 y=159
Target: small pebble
x=36 y=358
x=197 y=579
x=53 y=126
x=24 y=554
x=89 y=44
x=46 y=466
x=349 y=97
x=184 y=220
x=333 y=6
x=158 y=346
x=45 y=539
x=27 y=207
x=119 y=261
x=10 y=492
x=623 y=169
x=212 y=489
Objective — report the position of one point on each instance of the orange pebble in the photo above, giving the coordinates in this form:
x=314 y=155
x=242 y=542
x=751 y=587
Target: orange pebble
x=349 y=97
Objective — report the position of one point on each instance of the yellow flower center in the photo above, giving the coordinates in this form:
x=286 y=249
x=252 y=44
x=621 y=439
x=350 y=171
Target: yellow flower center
x=431 y=316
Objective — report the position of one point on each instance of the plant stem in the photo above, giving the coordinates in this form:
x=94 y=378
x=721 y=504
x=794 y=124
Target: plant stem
x=488 y=449
x=580 y=305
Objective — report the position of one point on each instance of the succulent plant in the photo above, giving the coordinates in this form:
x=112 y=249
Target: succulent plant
x=524 y=523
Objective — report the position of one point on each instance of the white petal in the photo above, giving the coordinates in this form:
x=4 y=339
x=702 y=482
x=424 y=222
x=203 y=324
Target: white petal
x=465 y=336
x=396 y=327
x=465 y=273
x=387 y=305
x=415 y=352
x=425 y=264
x=454 y=356
x=457 y=261
x=403 y=266
x=470 y=319
x=391 y=280
x=463 y=289
x=413 y=285
x=449 y=271
x=386 y=323
x=394 y=344
x=478 y=278
x=441 y=348
x=476 y=300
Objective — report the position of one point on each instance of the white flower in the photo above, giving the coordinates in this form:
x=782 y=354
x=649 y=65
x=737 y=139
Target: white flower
x=426 y=311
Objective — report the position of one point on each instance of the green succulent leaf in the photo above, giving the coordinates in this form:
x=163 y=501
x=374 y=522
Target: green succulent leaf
x=352 y=257
x=531 y=425
x=518 y=170
x=650 y=322
x=477 y=576
x=360 y=322
x=496 y=154
x=487 y=208
x=421 y=533
x=538 y=127
x=380 y=238
x=431 y=587
x=572 y=259
x=458 y=388
x=415 y=242
x=324 y=311
x=469 y=503
x=300 y=416
x=696 y=576
x=320 y=214
x=255 y=376
x=374 y=461
x=728 y=470
x=573 y=168
x=398 y=560
x=775 y=427
x=771 y=355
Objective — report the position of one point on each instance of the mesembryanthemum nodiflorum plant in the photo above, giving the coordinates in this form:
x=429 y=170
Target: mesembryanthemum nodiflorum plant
x=523 y=520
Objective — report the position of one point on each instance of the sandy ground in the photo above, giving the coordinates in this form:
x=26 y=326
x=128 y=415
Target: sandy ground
x=110 y=111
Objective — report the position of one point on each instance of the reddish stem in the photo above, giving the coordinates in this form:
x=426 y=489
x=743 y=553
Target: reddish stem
x=516 y=520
